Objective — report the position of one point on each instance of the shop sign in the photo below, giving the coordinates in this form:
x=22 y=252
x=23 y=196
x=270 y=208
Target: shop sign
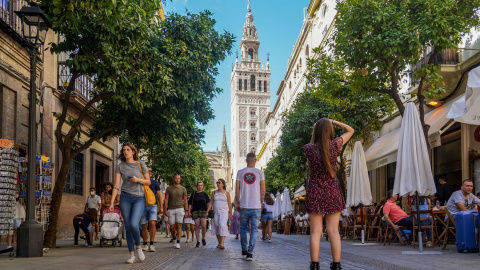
x=435 y=140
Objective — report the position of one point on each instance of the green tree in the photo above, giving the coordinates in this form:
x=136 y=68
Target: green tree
x=382 y=39
x=138 y=66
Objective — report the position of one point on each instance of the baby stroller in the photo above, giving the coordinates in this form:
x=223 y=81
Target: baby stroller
x=111 y=227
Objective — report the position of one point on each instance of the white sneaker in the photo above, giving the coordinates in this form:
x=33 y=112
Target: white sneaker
x=140 y=255
x=131 y=259
x=151 y=248
x=269 y=240
x=145 y=247
x=177 y=246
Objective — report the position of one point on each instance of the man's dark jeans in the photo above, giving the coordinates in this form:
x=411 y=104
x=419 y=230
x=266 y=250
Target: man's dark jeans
x=407 y=222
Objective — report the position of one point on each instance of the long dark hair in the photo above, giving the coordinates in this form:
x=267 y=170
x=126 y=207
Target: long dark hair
x=322 y=135
x=268 y=199
x=134 y=149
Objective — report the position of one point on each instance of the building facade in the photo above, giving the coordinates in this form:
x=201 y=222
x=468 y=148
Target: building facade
x=316 y=30
x=91 y=168
x=220 y=165
x=250 y=97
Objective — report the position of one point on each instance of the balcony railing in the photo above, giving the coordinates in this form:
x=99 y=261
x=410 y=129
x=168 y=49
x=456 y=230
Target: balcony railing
x=7 y=15
x=83 y=84
x=447 y=57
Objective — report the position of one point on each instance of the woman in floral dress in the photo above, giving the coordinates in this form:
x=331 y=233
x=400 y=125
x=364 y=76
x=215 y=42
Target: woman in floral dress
x=323 y=191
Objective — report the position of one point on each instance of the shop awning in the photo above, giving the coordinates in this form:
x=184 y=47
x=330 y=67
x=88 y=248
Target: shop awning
x=467 y=108
x=299 y=192
x=384 y=150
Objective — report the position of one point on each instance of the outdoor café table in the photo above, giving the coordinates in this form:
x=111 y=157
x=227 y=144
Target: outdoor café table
x=439 y=215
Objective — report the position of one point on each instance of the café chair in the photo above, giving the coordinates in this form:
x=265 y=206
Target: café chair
x=374 y=227
x=413 y=216
x=449 y=229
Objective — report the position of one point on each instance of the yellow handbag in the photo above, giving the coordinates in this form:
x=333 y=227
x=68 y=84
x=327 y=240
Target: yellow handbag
x=149 y=196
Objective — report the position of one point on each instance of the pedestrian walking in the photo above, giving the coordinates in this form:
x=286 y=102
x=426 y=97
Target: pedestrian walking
x=189 y=224
x=222 y=208
x=235 y=227
x=94 y=202
x=197 y=209
x=249 y=195
x=149 y=218
x=324 y=196
x=177 y=205
x=267 y=217
x=134 y=174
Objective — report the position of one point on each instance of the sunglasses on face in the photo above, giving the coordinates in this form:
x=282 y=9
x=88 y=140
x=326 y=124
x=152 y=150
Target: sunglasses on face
x=219 y=183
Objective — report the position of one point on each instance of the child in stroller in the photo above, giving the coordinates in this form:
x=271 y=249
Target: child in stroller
x=111 y=227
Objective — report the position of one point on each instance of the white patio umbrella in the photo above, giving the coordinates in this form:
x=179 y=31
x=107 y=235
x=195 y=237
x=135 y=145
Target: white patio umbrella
x=286 y=203
x=467 y=108
x=358 y=188
x=413 y=172
x=277 y=205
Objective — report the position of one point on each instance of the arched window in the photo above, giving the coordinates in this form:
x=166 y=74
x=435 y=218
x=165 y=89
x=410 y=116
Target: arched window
x=324 y=11
x=245 y=85
x=253 y=149
x=250 y=54
x=259 y=85
x=307 y=51
x=252 y=83
x=252 y=112
x=240 y=84
x=265 y=86
x=252 y=124
x=253 y=136
x=290 y=85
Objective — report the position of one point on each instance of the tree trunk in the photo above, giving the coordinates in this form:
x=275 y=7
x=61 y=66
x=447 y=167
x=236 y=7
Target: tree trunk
x=51 y=234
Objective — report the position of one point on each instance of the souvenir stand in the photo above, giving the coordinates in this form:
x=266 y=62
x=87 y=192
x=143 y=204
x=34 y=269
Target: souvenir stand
x=8 y=183
x=43 y=177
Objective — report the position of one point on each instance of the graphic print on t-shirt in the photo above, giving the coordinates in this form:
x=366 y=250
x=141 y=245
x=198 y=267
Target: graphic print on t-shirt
x=249 y=178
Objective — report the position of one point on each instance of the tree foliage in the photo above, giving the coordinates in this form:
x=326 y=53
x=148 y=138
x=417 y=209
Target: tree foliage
x=153 y=79
x=385 y=38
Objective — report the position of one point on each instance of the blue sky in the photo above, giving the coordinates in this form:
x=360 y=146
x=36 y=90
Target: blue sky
x=278 y=24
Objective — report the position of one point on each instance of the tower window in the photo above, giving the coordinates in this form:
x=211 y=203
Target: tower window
x=252 y=83
x=245 y=84
x=259 y=85
x=250 y=54
x=253 y=137
x=240 y=84
x=265 y=86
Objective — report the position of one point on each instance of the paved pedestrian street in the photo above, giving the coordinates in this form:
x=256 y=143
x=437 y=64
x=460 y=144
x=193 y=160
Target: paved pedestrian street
x=285 y=252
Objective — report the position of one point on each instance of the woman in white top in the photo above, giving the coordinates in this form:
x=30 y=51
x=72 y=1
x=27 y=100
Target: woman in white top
x=222 y=207
x=267 y=217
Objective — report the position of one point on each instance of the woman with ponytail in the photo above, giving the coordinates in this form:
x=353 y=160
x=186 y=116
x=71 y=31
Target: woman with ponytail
x=324 y=195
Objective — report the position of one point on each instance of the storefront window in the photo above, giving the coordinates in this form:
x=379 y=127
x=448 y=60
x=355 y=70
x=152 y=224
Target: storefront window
x=391 y=175
x=448 y=159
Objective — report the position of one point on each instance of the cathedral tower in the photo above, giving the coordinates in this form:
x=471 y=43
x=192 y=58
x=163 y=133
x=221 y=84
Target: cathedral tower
x=250 y=97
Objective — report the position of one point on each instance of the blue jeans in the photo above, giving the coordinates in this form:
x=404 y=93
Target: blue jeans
x=407 y=222
x=252 y=215
x=132 y=210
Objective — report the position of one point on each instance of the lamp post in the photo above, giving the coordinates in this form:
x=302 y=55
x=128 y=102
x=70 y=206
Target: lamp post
x=34 y=29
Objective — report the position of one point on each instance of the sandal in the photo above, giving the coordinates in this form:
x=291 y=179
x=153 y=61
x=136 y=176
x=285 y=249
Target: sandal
x=218 y=246
x=221 y=247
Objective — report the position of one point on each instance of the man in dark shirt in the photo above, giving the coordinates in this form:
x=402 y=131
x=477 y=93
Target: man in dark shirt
x=444 y=191
x=150 y=214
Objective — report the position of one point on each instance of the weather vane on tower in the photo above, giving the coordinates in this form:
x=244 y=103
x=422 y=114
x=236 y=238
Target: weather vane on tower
x=248 y=7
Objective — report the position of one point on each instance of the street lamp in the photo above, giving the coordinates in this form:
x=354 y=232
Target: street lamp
x=34 y=29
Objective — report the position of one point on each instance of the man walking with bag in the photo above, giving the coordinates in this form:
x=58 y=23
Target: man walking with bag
x=177 y=205
x=249 y=195
x=150 y=213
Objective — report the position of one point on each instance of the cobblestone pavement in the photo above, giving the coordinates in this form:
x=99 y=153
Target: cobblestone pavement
x=285 y=252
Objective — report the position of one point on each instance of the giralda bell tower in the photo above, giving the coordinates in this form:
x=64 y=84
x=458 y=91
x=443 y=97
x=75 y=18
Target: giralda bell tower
x=250 y=97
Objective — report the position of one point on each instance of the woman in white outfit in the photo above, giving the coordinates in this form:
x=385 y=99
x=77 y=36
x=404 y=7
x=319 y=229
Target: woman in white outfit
x=222 y=207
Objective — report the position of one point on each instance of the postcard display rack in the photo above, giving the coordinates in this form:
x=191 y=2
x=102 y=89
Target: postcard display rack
x=43 y=187
x=8 y=184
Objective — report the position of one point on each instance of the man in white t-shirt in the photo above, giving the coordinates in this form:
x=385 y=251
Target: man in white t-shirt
x=94 y=202
x=249 y=195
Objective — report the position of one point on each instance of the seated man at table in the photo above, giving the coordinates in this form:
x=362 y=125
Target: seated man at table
x=463 y=199
x=396 y=217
